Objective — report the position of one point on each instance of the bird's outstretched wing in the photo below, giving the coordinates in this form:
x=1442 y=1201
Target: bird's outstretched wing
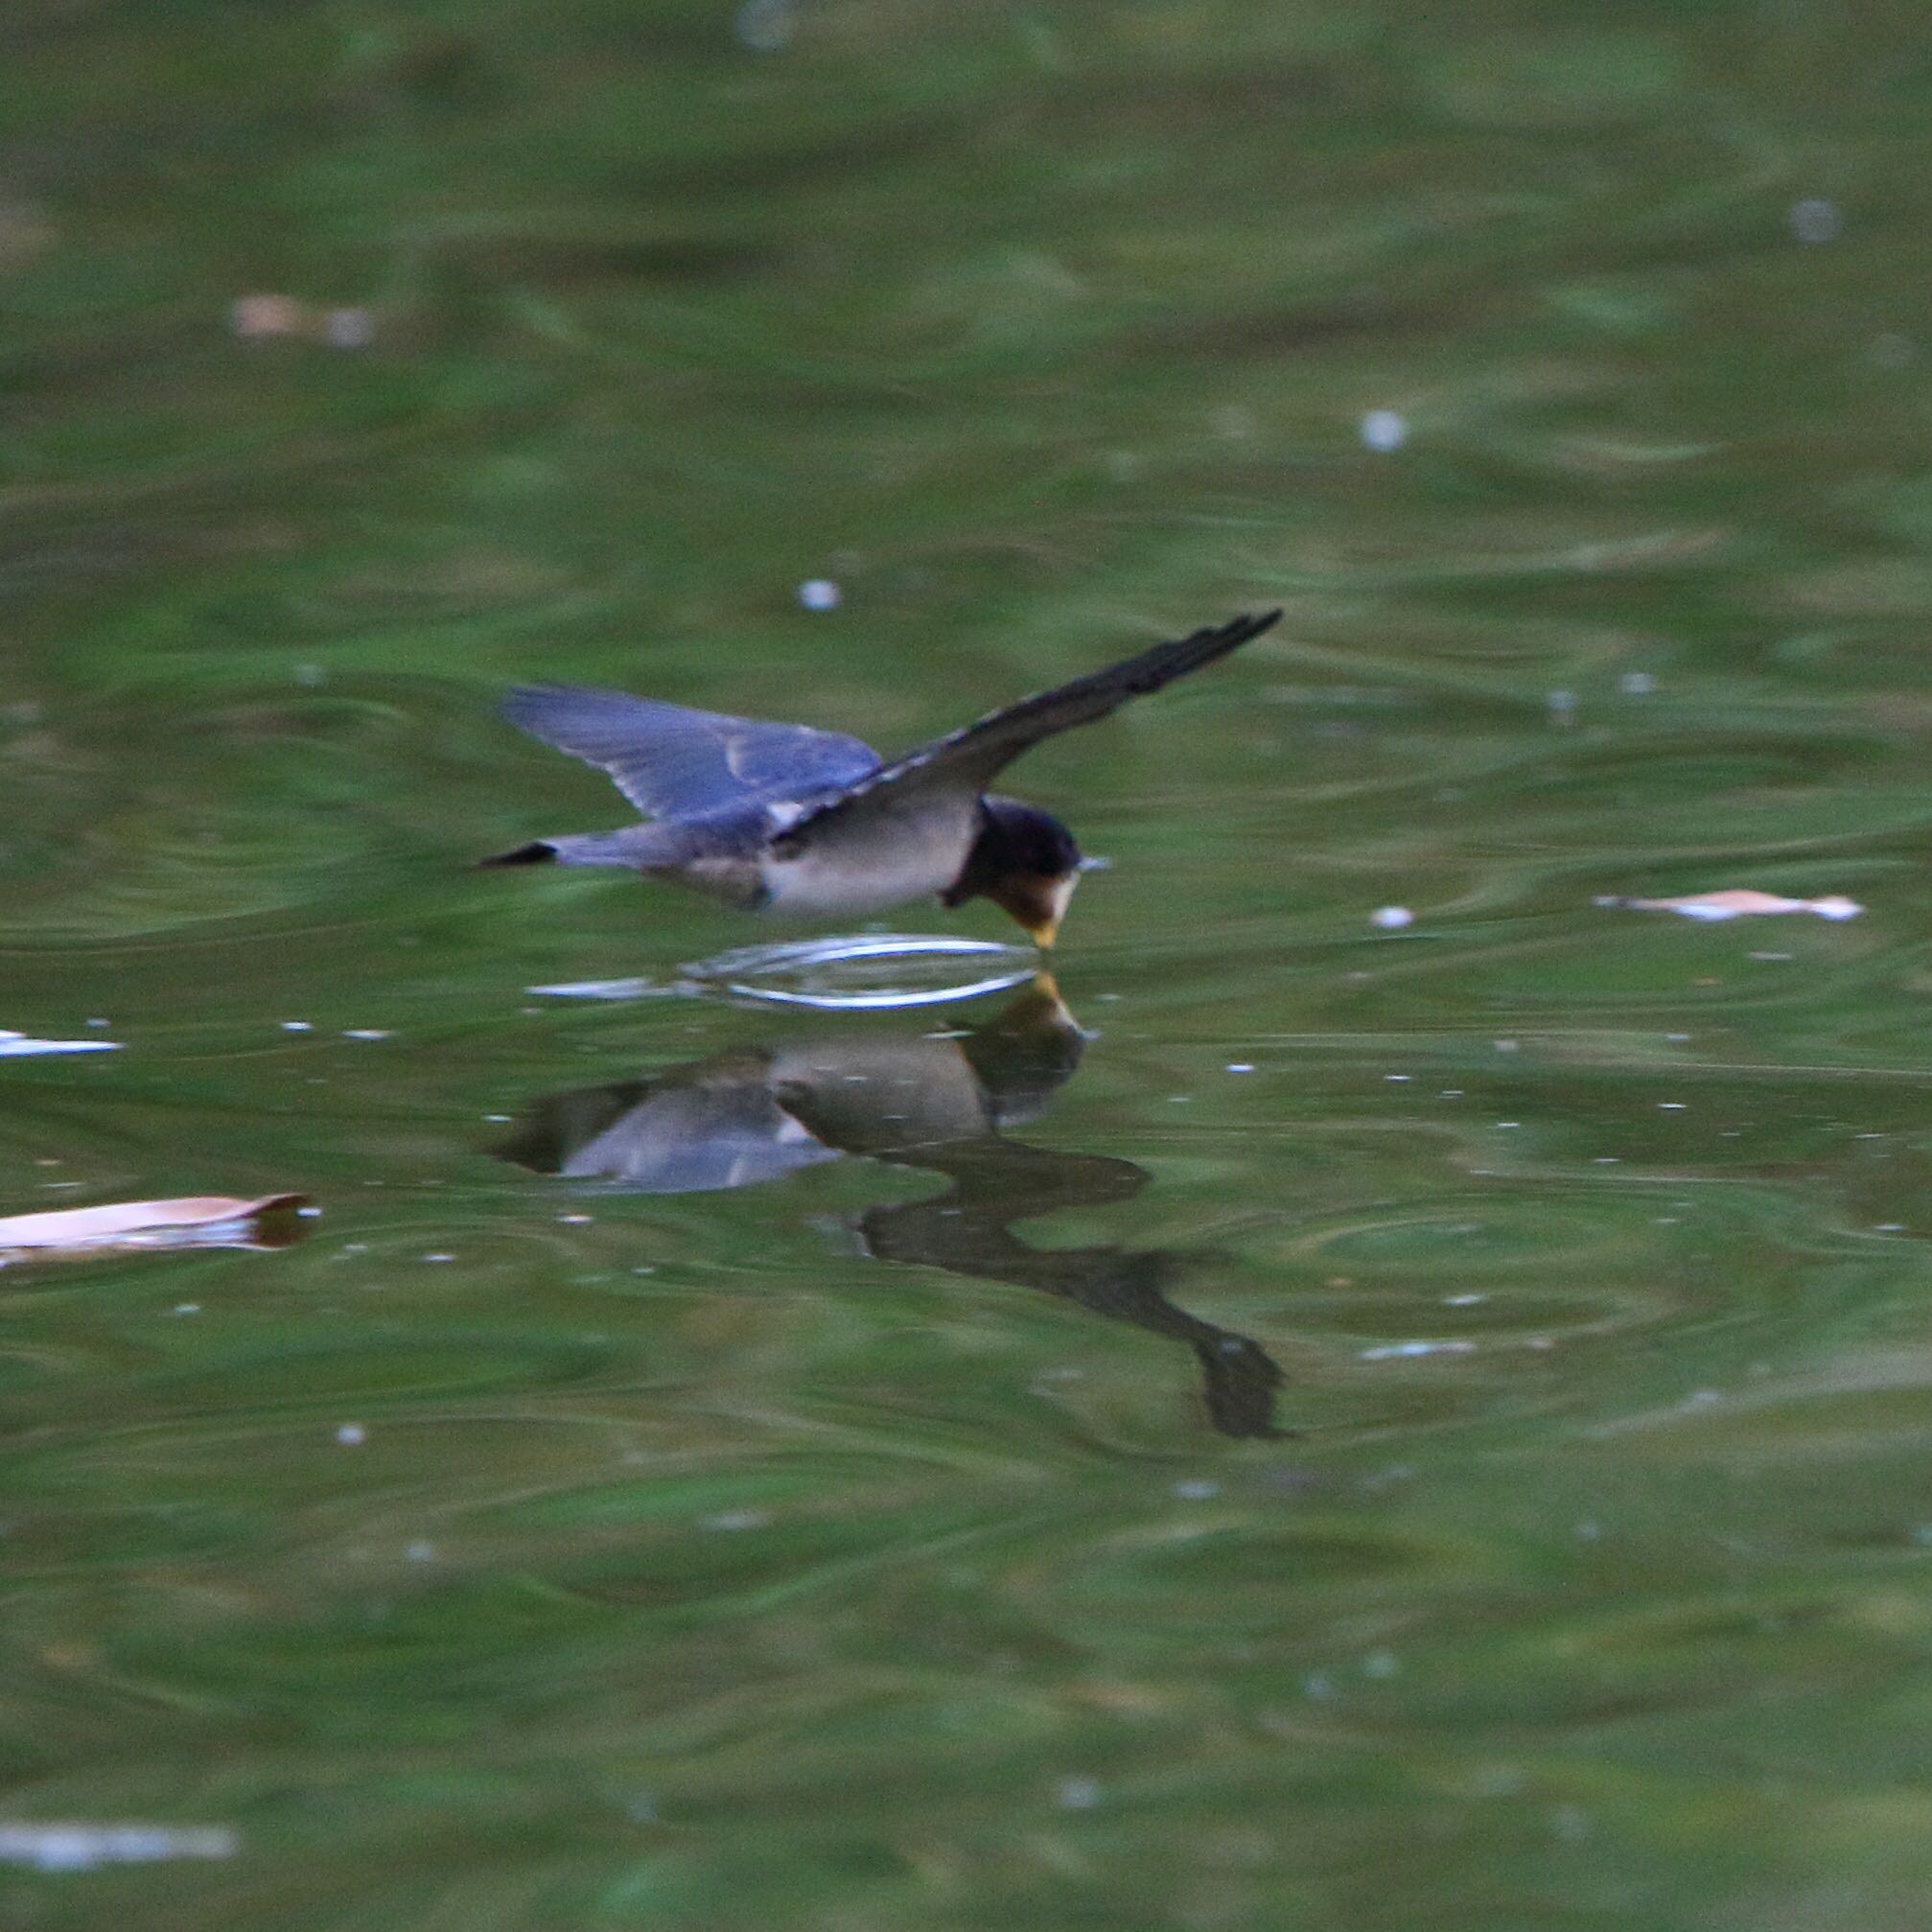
x=967 y=761
x=673 y=762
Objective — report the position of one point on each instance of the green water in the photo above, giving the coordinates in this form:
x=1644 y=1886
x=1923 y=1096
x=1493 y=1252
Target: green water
x=1473 y=1469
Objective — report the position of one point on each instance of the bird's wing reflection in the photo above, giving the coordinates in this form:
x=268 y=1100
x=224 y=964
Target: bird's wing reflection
x=933 y=1103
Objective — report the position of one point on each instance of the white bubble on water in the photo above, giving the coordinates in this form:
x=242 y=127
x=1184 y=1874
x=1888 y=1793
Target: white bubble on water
x=1383 y=431
x=1816 y=219
x=729 y=1520
x=765 y=25
x=1391 y=918
x=820 y=593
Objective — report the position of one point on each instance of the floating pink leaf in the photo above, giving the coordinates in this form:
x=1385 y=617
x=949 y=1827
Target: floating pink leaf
x=197 y=1220
x=1739 y=904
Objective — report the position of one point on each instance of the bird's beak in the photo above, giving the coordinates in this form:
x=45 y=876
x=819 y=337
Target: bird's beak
x=1047 y=929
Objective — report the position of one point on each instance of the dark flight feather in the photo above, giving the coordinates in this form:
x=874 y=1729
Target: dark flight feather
x=968 y=759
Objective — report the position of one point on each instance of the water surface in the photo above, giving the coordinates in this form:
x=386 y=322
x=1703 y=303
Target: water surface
x=1331 y=1425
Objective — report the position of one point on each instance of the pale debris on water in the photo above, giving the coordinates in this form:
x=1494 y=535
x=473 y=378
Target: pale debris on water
x=85 y=1848
x=1741 y=904
x=1391 y=918
x=254 y=318
x=196 y=1220
x=17 y=1046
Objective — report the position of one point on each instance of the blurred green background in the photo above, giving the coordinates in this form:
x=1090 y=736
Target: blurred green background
x=505 y=1556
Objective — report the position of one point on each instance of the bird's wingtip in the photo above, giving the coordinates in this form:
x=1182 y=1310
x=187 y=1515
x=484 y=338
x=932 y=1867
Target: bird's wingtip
x=538 y=852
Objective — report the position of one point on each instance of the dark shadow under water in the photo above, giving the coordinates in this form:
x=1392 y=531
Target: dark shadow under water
x=757 y=1113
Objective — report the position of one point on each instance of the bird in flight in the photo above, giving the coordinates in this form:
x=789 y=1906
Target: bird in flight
x=804 y=824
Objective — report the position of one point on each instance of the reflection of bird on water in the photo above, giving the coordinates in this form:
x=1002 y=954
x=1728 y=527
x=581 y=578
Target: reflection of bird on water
x=755 y=1114
x=806 y=823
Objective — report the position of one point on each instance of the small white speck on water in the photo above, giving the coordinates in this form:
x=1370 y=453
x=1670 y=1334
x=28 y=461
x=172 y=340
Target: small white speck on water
x=1637 y=684
x=1391 y=918
x=439 y=1257
x=729 y=1520
x=1702 y=1398
x=1179 y=1099
x=497 y=1118
x=1672 y=1105
x=1506 y=1045
x=1677 y=1039
x=1240 y=1066
x=298 y=1026
x=765 y=25
x=1665 y=1220
x=576 y=1220
x=1508 y=1123
x=643 y=1271
x=1463 y=1300
x=1196 y=1489
x=97 y=1022
x=1608 y=1159
x=351 y=1435
x=1562 y=706
x=1816 y=219
x=1383 y=431
x=1889 y=1228
x=308 y=1214
x=1076 y=1794
x=1570 y=1822
x=1402 y=1351
x=1771 y=959
x=1397 y=1078
x=187 y=1308
x=365 y=1032
x=1451 y=1093
x=820 y=593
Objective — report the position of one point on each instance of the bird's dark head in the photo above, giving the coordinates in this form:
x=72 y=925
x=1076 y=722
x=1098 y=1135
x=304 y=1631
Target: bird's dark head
x=1026 y=861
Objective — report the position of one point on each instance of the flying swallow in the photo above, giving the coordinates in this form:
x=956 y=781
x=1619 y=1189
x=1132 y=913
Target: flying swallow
x=808 y=823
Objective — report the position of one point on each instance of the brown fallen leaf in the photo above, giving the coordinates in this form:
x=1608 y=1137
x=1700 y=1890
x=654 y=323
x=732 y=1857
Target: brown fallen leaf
x=1740 y=903
x=195 y=1220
